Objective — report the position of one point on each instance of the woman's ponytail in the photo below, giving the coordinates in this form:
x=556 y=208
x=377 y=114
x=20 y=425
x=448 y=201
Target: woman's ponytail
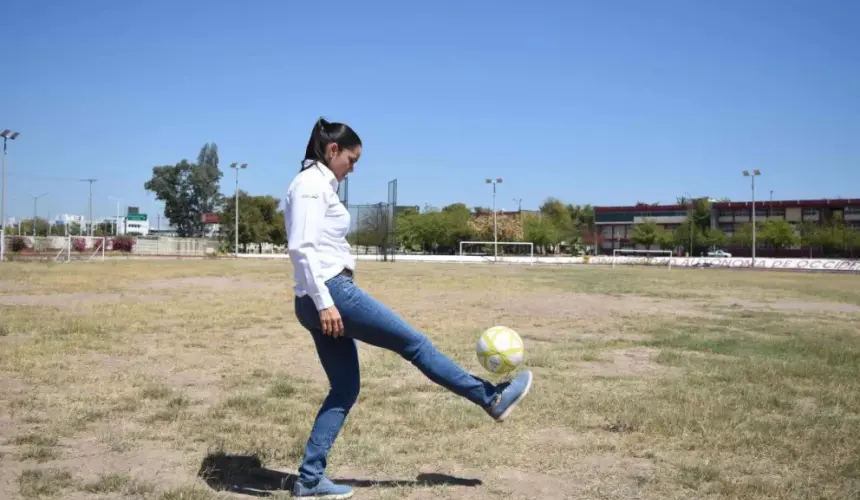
x=322 y=135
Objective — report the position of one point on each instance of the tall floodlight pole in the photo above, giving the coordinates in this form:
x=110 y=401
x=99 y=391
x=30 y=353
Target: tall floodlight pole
x=692 y=216
x=238 y=167
x=495 y=227
x=116 y=221
x=752 y=177
x=770 y=206
x=6 y=135
x=90 y=231
x=519 y=202
x=35 y=210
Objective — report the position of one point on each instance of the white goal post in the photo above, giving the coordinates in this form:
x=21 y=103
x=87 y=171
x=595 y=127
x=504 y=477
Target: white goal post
x=91 y=248
x=646 y=254
x=497 y=244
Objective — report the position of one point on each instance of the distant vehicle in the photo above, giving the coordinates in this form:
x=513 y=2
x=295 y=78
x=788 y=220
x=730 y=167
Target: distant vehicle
x=719 y=253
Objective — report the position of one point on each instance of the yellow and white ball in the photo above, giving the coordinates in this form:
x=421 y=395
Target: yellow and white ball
x=500 y=350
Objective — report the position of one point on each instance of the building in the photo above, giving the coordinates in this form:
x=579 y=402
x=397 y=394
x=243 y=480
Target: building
x=729 y=216
x=63 y=219
x=134 y=223
x=615 y=224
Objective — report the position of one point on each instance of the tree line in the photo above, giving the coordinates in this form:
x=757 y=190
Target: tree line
x=776 y=235
x=556 y=227
x=191 y=189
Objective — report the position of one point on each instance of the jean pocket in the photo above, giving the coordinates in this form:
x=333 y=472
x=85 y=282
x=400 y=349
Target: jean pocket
x=344 y=292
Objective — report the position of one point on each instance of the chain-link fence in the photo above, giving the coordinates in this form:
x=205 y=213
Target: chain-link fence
x=374 y=228
x=55 y=248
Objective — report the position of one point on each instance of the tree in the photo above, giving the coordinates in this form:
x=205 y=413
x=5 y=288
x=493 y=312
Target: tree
x=698 y=220
x=852 y=240
x=743 y=236
x=509 y=228
x=260 y=221
x=807 y=232
x=830 y=237
x=426 y=230
x=456 y=218
x=583 y=217
x=188 y=190
x=540 y=231
x=561 y=217
x=408 y=230
x=681 y=237
x=836 y=238
x=648 y=234
x=373 y=226
x=42 y=228
x=779 y=234
x=715 y=238
x=666 y=239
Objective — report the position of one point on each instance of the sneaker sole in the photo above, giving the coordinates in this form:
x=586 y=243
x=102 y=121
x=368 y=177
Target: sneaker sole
x=338 y=496
x=513 y=405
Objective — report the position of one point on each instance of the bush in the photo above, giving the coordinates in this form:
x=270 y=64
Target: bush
x=18 y=244
x=79 y=244
x=123 y=243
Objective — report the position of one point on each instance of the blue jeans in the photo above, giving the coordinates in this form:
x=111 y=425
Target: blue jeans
x=368 y=320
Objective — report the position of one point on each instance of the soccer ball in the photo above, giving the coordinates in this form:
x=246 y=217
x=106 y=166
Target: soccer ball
x=500 y=350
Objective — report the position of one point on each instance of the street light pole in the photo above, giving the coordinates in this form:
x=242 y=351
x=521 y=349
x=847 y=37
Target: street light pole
x=35 y=211
x=90 y=205
x=692 y=215
x=6 y=135
x=116 y=221
x=237 y=166
x=752 y=176
x=770 y=206
x=520 y=212
x=495 y=227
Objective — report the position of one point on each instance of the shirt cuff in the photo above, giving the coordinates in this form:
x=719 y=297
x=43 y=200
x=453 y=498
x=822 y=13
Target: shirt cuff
x=322 y=300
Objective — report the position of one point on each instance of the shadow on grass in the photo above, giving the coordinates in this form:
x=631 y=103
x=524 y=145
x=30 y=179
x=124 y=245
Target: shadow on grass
x=245 y=474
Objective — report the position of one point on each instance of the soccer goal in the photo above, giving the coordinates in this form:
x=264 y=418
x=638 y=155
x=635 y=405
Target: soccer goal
x=506 y=249
x=89 y=248
x=635 y=256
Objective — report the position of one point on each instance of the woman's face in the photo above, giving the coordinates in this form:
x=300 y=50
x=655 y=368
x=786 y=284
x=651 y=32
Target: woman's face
x=341 y=161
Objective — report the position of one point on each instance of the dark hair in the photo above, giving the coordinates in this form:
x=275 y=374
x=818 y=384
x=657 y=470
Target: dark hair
x=323 y=134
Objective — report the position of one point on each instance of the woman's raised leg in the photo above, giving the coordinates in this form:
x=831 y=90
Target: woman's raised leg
x=368 y=320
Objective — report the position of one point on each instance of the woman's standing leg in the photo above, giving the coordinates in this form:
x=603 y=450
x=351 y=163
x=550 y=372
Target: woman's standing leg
x=339 y=359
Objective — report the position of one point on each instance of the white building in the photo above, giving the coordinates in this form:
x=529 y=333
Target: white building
x=137 y=224
x=60 y=219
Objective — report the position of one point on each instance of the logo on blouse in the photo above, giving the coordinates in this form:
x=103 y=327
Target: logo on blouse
x=314 y=196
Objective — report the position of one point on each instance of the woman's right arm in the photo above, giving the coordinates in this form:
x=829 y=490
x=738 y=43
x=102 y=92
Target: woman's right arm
x=308 y=205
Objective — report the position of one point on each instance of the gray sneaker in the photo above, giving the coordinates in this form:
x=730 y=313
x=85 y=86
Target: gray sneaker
x=510 y=395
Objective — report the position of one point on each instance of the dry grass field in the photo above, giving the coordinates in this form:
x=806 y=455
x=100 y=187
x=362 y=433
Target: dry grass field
x=192 y=380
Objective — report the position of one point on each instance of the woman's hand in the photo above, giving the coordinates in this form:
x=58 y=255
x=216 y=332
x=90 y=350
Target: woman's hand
x=331 y=323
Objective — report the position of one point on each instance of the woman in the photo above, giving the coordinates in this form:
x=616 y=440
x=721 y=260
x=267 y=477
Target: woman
x=336 y=312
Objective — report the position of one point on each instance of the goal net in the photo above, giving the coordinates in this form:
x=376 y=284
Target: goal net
x=85 y=248
x=642 y=257
x=506 y=250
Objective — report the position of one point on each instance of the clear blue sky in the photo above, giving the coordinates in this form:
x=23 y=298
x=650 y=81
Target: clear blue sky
x=591 y=102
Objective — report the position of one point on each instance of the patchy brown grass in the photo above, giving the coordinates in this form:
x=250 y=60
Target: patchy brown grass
x=124 y=379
